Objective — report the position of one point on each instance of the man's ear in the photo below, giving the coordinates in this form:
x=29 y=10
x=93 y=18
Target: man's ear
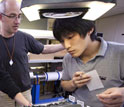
x=91 y=31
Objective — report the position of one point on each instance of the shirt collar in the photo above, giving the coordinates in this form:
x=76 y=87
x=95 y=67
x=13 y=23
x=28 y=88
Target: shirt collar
x=103 y=47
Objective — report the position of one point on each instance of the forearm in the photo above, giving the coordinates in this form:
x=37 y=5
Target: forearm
x=52 y=48
x=68 y=85
x=7 y=85
x=22 y=100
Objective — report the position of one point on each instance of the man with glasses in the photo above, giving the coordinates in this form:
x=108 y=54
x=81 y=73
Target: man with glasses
x=13 y=58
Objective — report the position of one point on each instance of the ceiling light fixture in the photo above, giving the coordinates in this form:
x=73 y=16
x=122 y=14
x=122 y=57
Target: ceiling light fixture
x=62 y=13
x=89 y=9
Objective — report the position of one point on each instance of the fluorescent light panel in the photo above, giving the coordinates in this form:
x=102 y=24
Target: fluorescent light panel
x=32 y=12
x=97 y=9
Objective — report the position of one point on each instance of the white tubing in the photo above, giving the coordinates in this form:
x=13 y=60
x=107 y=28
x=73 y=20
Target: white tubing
x=53 y=76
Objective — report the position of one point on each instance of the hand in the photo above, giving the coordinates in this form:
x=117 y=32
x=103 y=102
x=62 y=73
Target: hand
x=22 y=100
x=29 y=105
x=80 y=79
x=112 y=97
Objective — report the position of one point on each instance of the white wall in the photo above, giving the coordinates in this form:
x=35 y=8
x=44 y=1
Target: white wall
x=37 y=25
x=112 y=28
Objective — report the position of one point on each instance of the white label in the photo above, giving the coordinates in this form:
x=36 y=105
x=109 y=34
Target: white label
x=80 y=103
x=72 y=98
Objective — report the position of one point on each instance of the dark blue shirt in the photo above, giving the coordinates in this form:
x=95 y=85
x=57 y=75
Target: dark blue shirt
x=19 y=71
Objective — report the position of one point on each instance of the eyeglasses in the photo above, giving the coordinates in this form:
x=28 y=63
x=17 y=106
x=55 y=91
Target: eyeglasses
x=13 y=16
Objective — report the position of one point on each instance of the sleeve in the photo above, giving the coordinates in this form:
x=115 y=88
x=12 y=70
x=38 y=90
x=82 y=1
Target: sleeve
x=7 y=85
x=122 y=65
x=65 y=73
x=33 y=45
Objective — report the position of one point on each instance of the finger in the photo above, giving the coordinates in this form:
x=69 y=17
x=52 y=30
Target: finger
x=111 y=101
x=104 y=96
x=116 y=95
x=82 y=82
x=78 y=74
x=109 y=96
x=80 y=85
x=82 y=78
x=111 y=105
x=85 y=76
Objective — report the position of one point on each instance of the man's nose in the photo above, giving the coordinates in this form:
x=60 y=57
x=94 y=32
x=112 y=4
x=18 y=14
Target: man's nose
x=17 y=20
x=67 y=44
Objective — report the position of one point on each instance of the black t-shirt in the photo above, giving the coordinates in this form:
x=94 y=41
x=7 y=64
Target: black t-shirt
x=7 y=85
x=19 y=71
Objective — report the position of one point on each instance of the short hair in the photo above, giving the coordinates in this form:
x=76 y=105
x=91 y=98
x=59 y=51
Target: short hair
x=2 y=6
x=64 y=27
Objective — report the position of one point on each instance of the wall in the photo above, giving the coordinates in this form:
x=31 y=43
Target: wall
x=42 y=24
x=112 y=27
x=39 y=24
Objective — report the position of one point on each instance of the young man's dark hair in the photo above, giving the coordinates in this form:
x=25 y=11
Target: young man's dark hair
x=63 y=27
